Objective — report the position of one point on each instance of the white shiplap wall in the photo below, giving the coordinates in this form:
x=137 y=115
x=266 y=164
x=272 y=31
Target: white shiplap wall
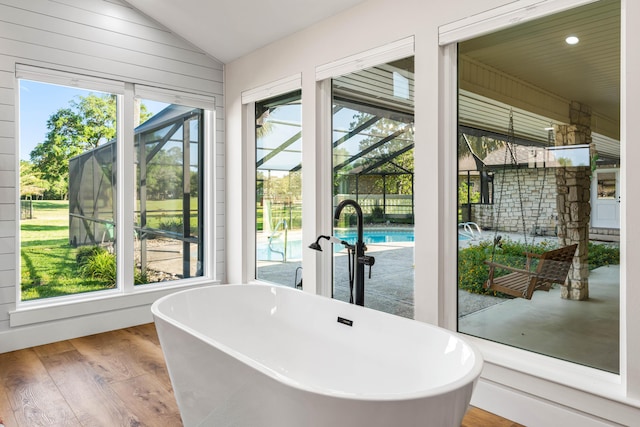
x=103 y=38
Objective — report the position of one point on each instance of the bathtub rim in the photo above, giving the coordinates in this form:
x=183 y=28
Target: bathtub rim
x=469 y=378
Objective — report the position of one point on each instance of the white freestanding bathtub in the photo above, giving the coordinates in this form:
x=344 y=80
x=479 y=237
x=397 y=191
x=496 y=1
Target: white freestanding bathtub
x=262 y=356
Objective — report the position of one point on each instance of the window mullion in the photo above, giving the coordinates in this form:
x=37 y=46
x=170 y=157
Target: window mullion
x=125 y=189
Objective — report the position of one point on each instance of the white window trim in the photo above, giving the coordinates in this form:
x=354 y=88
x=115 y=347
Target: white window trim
x=381 y=55
x=46 y=75
x=502 y=17
x=512 y=367
x=174 y=97
x=126 y=295
x=269 y=90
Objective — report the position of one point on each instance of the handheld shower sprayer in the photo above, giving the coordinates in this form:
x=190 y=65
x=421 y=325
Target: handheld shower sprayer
x=316 y=245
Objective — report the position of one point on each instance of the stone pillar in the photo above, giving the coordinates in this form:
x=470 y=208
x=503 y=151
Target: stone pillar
x=573 y=202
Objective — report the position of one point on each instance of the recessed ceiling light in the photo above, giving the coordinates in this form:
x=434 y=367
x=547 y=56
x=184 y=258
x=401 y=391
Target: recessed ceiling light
x=572 y=40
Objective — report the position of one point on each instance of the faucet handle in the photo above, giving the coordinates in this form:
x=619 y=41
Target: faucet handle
x=367 y=260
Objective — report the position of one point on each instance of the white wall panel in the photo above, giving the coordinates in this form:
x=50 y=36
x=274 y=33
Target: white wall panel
x=7 y=245
x=7 y=145
x=7 y=128
x=7 y=261
x=8 y=215
x=7 y=161
x=91 y=15
x=8 y=178
x=6 y=96
x=7 y=195
x=7 y=228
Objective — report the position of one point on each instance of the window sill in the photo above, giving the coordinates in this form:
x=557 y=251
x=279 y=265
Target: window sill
x=51 y=309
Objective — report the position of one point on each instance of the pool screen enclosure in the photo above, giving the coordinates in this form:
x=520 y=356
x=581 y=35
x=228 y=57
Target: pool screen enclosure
x=168 y=196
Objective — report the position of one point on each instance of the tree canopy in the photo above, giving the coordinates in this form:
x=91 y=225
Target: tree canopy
x=88 y=122
x=385 y=150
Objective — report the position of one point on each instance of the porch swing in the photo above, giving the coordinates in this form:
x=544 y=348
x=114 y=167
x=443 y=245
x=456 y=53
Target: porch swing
x=551 y=267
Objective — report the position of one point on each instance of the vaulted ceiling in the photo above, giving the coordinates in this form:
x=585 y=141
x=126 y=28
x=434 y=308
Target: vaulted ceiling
x=229 y=29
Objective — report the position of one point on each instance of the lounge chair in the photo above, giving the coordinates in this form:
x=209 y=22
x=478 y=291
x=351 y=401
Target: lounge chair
x=553 y=267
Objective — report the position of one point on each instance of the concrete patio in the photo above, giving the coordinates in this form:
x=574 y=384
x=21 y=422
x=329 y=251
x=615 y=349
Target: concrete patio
x=584 y=332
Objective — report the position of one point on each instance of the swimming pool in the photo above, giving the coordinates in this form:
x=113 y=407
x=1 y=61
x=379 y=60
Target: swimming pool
x=373 y=236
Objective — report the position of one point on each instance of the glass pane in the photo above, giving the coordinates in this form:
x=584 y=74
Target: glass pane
x=168 y=216
x=67 y=190
x=538 y=219
x=373 y=166
x=607 y=185
x=279 y=190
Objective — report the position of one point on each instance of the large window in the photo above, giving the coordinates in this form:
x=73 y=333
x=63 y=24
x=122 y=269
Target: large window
x=67 y=190
x=71 y=144
x=538 y=167
x=279 y=189
x=168 y=218
x=372 y=148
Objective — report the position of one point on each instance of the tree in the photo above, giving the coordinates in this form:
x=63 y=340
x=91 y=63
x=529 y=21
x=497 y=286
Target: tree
x=31 y=182
x=88 y=122
x=165 y=175
x=398 y=166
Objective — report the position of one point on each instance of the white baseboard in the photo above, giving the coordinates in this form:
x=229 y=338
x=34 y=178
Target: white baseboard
x=44 y=333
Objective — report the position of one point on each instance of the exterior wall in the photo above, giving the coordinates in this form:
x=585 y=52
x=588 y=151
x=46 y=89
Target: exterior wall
x=527 y=388
x=538 y=195
x=106 y=39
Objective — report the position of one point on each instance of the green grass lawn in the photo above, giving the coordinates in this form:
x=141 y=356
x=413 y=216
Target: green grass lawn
x=48 y=262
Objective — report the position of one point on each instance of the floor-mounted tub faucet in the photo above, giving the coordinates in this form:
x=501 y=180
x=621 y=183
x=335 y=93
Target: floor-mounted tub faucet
x=360 y=258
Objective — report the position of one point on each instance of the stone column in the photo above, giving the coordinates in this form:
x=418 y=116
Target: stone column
x=573 y=202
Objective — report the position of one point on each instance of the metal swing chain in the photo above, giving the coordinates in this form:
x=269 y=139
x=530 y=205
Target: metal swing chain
x=544 y=181
x=509 y=149
x=497 y=216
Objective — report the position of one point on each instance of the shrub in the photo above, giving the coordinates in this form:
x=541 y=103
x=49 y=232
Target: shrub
x=84 y=253
x=96 y=262
x=101 y=266
x=139 y=277
x=171 y=223
x=601 y=255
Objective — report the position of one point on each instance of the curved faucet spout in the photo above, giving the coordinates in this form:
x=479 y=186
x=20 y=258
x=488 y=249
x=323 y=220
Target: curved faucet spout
x=360 y=247
x=348 y=202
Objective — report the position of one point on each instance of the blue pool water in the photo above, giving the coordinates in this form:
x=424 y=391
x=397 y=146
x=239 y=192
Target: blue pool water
x=377 y=236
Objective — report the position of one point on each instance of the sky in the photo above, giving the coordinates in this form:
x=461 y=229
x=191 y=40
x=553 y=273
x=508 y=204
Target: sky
x=38 y=101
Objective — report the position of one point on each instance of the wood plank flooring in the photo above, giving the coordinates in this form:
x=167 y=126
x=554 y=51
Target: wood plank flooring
x=118 y=378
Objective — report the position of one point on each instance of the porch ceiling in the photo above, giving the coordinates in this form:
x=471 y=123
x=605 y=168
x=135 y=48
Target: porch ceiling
x=536 y=52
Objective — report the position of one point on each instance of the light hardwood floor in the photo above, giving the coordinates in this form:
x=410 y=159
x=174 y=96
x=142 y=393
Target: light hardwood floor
x=118 y=378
